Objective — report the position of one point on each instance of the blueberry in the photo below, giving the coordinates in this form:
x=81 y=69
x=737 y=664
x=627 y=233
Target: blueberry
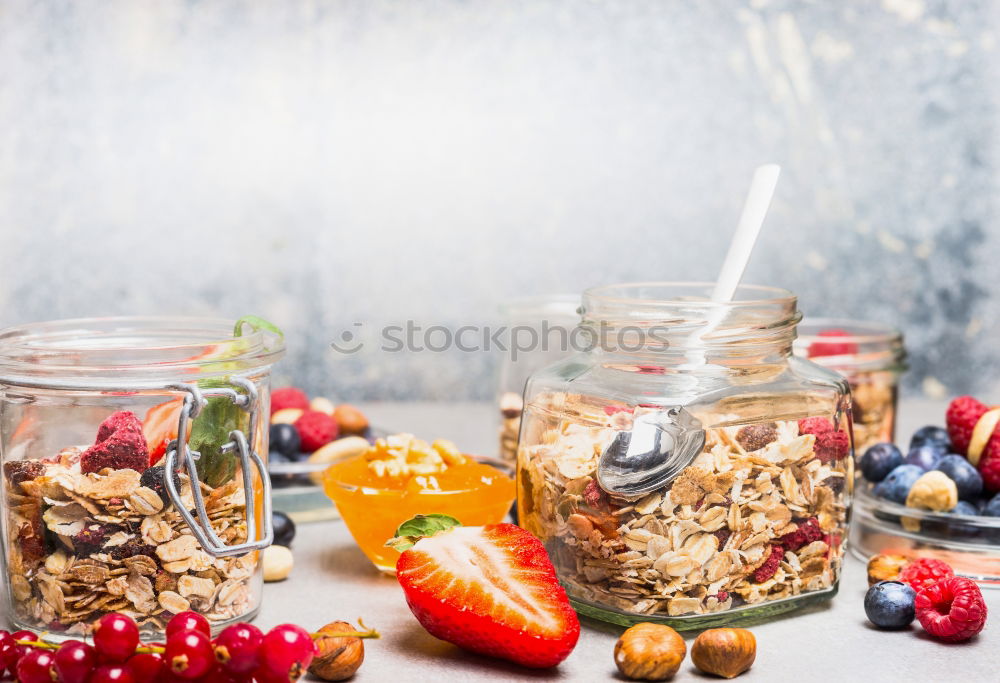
x=964 y=507
x=890 y=604
x=284 y=528
x=924 y=457
x=964 y=474
x=285 y=439
x=896 y=486
x=277 y=457
x=153 y=478
x=931 y=435
x=879 y=460
x=299 y=456
x=992 y=508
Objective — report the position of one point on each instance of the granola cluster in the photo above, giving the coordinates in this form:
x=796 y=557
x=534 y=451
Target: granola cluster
x=84 y=544
x=757 y=516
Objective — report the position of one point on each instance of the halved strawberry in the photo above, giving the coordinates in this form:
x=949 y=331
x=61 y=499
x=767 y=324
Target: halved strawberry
x=160 y=427
x=491 y=590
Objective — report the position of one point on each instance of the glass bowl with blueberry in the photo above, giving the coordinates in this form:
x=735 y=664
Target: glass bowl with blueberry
x=933 y=500
x=307 y=435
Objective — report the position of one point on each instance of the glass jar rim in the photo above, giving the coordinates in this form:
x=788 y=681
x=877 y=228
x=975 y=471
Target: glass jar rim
x=745 y=296
x=128 y=349
x=856 y=331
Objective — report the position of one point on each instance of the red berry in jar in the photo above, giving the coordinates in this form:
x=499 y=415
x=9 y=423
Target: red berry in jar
x=237 y=648
x=112 y=673
x=74 y=660
x=286 y=652
x=188 y=621
x=115 y=637
x=189 y=654
x=35 y=667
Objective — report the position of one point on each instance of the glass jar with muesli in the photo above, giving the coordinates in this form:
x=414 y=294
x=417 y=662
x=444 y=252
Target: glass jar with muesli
x=688 y=469
x=105 y=507
x=871 y=357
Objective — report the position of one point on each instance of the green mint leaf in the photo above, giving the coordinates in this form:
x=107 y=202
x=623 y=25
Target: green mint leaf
x=421 y=526
x=257 y=323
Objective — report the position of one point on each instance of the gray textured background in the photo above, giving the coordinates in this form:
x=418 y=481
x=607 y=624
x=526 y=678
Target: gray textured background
x=320 y=163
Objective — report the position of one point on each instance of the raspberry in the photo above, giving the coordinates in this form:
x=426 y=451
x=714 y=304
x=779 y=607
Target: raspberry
x=924 y=572
x=770 y=566
x=823 y=348
x=952 y=610
x=807 y=532
x=963 y=414
x=831 y=446
x=288 y=398
x=120 y=444
x=722 y=596
x=989 y=465
x=316 y=429
x=815 y=425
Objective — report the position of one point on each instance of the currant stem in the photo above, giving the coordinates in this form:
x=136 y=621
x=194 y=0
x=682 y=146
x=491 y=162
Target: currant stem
x=369 y=633
x=46 y=645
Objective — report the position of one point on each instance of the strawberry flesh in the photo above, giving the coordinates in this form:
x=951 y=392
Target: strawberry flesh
x=491 y=590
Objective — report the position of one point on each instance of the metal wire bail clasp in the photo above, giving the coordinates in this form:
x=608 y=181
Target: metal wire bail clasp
x=179 y=457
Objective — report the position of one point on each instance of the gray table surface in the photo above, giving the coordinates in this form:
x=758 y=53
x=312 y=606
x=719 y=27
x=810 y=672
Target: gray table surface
x=333 y=580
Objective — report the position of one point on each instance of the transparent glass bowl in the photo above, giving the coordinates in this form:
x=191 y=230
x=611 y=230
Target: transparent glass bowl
x=971 y=545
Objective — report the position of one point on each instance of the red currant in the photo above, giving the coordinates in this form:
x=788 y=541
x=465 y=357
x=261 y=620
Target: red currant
x=115 y=637
x=35 y=667
x=146 y=666
x=286 y=652
x=189 y=654
x=236 y=648
x=111 y=673
x=74 y=661
x=21 y=650
x=188 y=621
x=7 y=651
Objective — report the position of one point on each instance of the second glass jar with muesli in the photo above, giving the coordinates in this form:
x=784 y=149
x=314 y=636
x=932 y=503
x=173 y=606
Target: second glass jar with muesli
x=688 y=469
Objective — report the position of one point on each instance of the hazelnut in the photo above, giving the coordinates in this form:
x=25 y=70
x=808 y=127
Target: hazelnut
x=885 y=568
x=350 y=419
x=278 y=563
x=933 y=491
x=649 y=652
x=337 y=657
x=725 y=652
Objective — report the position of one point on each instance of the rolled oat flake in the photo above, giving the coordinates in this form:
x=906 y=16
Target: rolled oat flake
x=649 y=455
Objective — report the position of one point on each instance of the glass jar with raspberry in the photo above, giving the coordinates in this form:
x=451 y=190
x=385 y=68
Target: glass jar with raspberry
x=686 y=468
x=871 y=357
x=134 y=475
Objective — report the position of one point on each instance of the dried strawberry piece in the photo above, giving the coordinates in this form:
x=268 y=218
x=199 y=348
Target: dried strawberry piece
x=17 y=471
x=594 y=495
x=91 y=538
x=807 y=532
x=31 y=541
x=832 y=446
x=755 y=437
x=815 y=425
x=723 y=536
x=952 y=609
x=120 y=445
x=131 y=549
x=770 y=566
